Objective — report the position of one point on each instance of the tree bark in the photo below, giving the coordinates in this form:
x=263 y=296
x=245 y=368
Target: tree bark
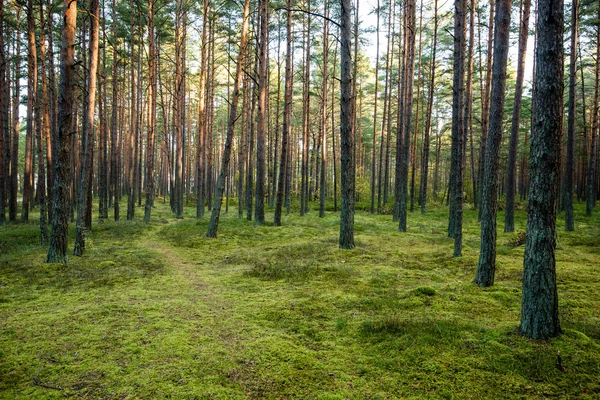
x=31 y=101
x=410 y=17
x=323 y=191
x=261 y=120
x=88 y=134
x=458 y=90
x=287 y=119
x=346 y=136
x=487 y=256
x=57 y=251
x=539 y=310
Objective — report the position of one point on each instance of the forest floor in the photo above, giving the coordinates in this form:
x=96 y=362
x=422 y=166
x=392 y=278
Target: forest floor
x=158 y=310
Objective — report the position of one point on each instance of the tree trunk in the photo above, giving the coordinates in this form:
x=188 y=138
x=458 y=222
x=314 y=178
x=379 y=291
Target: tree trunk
x=458 y=89
x=487 y=256
x=304 y=190
x=43 y=133
x=114 y=169
x=261 y=120
x=346 y=139
x=31 y=101
x=323 y=192
x=57 y=251
x=374 y=149
x=511 y=184
x=539 y=310
x=216 y=210
x=88 y=134
x=428 y=114
x=287 y=119
x=410 y=17
x=152 y=94
x=570 y=159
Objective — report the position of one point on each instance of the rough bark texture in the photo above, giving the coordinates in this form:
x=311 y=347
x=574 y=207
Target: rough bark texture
x=409 y=28
x=458 y=90
x=511 y=181
x=539 y=310
x=487 y=256
x=57 y=252
x=346 y=139
x=216 y=210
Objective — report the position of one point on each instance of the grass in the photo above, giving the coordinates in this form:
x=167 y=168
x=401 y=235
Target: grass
x=160 y=311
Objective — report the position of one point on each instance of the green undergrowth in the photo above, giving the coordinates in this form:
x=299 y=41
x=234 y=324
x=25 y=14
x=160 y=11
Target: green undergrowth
x=160 y=311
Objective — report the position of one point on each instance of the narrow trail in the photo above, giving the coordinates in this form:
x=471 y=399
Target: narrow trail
x=214 y=315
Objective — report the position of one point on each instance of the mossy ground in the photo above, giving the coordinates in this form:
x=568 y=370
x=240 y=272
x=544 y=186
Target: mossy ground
x=160 y=311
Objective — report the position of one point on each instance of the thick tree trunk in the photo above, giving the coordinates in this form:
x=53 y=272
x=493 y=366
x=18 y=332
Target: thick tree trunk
x=346 y=139
x=57 y=251
x=487 y=256
x=216 y=210
x=511 y=184
x=539 y=310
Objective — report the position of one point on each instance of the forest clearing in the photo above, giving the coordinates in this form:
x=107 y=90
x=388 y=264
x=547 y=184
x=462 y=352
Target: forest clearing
x=161 y=311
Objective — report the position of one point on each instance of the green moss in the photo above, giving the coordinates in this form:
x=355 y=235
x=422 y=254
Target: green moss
x=160 y=311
